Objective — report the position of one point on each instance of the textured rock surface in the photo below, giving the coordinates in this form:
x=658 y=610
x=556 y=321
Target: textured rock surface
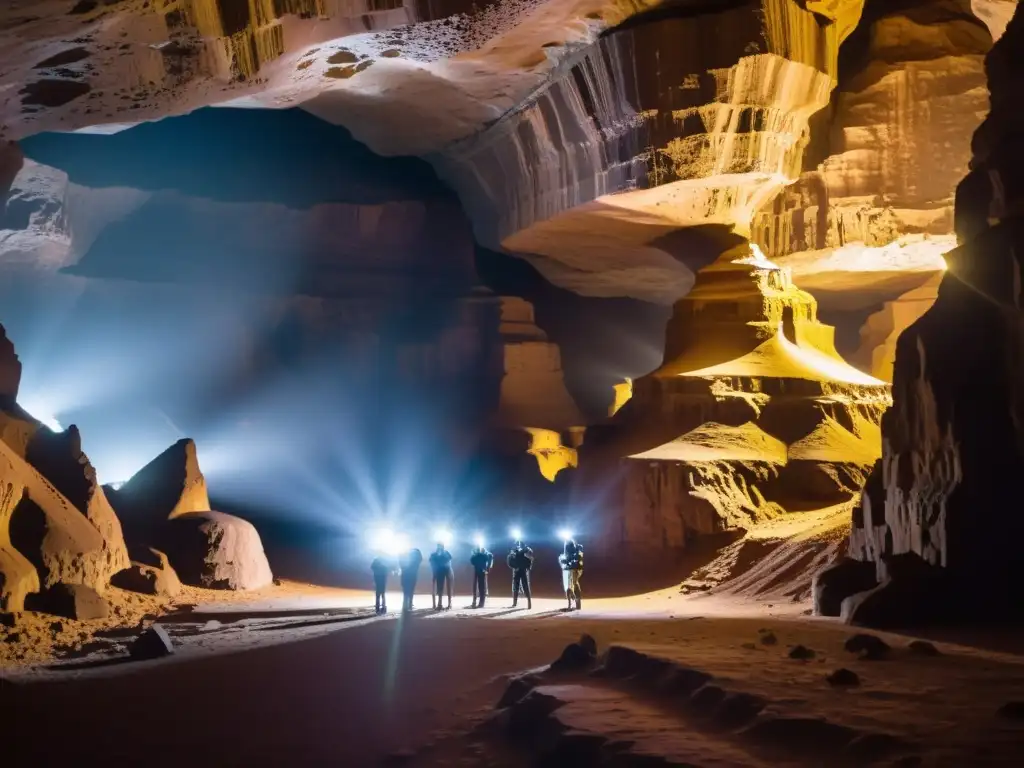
x=873 y=219
x=217 y=551
x=10 y=370
x=533 y=392
x=149 y=580
x=58 y=457
x=532 y=108
x=753 y=412
x=939 y=519
x=169 y=486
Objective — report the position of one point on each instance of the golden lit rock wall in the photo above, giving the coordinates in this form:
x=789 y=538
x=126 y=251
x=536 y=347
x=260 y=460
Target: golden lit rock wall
x=899 y=143
x=753 y=413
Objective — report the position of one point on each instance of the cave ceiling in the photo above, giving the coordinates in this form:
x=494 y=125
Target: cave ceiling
x=617 y=145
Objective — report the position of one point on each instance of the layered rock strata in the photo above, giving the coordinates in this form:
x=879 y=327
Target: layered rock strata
x=753 y=413
x=937 y=520
x=872 y=221
x=679 y=117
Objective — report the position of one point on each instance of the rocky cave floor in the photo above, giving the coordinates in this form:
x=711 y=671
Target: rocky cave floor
x=728 y=669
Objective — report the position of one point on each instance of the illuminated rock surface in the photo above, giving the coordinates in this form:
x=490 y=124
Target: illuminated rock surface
x=871 y=222
x=166 y=505
x=535 y=110
x=937 y=517
x=752 y=413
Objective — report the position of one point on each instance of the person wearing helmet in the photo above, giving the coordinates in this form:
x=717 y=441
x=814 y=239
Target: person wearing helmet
x=520 y=560
x=410 y=564
x=444 y=575
x=571 y=562
x=481 y=560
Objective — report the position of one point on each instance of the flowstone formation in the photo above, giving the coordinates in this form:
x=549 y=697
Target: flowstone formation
x=937 y=528
x=752 y=414
x=870 y=223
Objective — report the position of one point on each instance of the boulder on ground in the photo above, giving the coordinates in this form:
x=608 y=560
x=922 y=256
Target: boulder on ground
x=72 y=601
x=216 y=551
x=834 y=584
x=149 y=580
x=154 y=643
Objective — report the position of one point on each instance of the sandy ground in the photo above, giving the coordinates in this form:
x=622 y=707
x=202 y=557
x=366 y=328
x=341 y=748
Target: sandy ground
x=311 y=678
x=300 y=675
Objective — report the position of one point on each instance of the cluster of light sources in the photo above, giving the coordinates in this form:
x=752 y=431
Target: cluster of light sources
x=387 y=541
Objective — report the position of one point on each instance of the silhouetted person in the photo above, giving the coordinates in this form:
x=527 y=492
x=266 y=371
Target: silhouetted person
x=520 y=560
x=444 y=575
x=381 y=567
x=482 y=561
x=410 y=564
x=571 y=562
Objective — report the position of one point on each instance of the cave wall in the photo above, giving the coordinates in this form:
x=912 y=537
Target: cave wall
x=868 y=224
x=937 y=525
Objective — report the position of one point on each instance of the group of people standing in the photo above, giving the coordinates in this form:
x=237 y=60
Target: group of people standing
x=519 y=560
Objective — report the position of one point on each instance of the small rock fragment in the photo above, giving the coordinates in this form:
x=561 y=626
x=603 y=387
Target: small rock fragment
x=843 y=677
x=923 y=648
x=801 y=652
x=588 y=643
x=768 y=638
x=154 y=643
x=870 y=647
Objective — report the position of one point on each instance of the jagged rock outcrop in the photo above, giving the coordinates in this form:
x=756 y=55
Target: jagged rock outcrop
x=48 y=533
x=752 y=413
x=56 y=526
x=169 y=486
x=874 y=218
x=58 y=457
x=10 y=370
x=165 y=507
x=938 y=517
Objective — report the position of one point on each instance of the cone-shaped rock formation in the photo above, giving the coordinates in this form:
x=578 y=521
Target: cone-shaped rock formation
x=752 y=413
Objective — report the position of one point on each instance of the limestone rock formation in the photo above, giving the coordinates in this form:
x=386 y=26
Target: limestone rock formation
x=938 y=517
x=161 y=581
x=752 y=413
x=533 y=393
x=166 y=512
x=58 y=457
x=878 y=336
x=169 y=486
x=216 y=551
x=46 y=531
x=874 y=218
x=10 y=370
x=56 y=526
x=534 y=109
